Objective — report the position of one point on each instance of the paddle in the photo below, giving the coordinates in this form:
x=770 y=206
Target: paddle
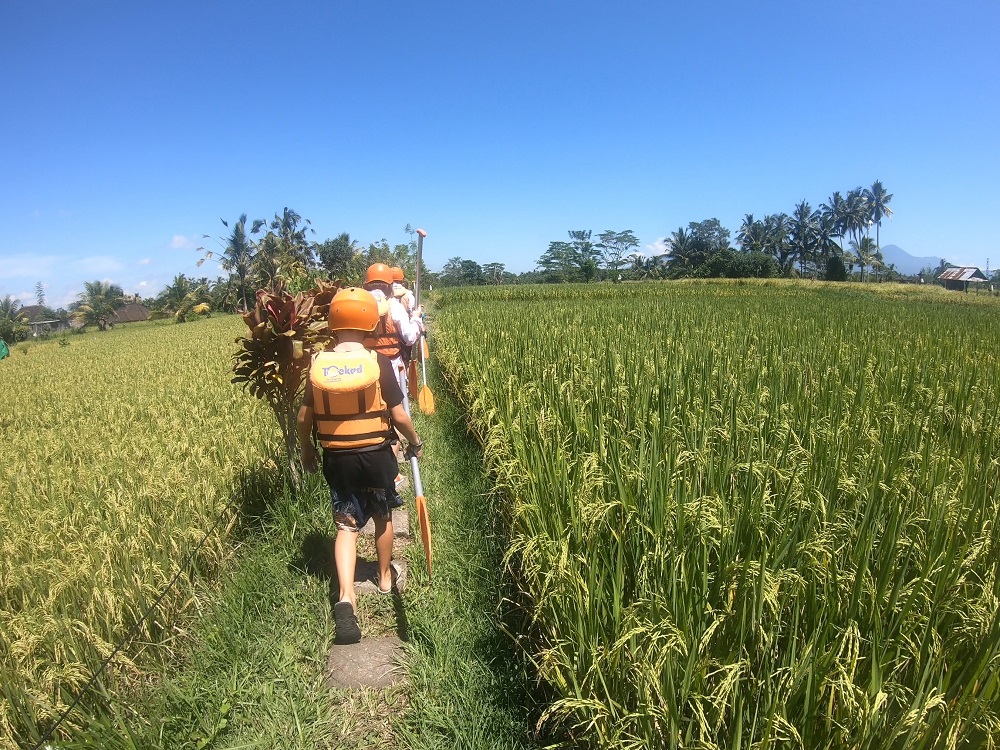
x=423 y=517
x=426 y=397
x=411 y=378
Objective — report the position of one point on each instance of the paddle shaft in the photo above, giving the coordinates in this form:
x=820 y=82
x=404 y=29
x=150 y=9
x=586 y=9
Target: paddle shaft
x=418 y=488
x=423 y=364
x=416 y=277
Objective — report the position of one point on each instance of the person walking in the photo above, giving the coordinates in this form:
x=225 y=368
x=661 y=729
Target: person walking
x=354 y=403
x=401 y=291
x=397 y=330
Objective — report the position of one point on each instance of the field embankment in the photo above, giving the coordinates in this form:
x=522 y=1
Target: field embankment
x=745 y=515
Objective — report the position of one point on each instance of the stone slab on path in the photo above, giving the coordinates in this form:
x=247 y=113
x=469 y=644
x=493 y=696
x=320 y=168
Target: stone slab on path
x=372 y=662
x=400 y=525
x=366 y=575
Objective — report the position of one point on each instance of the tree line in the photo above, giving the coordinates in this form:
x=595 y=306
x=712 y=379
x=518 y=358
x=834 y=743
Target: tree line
x=252 y=255
x=580 y=258
x=832 y=242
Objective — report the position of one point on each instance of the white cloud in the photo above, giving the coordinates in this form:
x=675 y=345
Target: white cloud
x=146 y=288
x=656 y=248
x=98 y=264
x=145 y=261
x=27 y=266
x=182 y=242
x=68 y=299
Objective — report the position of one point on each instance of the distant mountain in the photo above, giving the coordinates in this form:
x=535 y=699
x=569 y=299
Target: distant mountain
x=905 y=263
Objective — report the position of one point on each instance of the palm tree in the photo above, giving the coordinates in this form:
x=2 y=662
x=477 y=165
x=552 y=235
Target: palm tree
x=878 y=199
x=238 y=258
x=293 y=238
x=173 y=295
x=878 y=262
x=289 y=255
x=866 y=254
x=802 y=233
x=751 y=236
x=638 y=264
x=835 y=214
x=776 y=228
x=681 y=250
x=267 y=264
x=10 y=323
x=857 y=218
x=9 y=307
x=98 y=303
x=826 y=237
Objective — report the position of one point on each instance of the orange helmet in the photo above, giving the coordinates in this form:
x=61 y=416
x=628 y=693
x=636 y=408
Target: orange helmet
x=379 y=272
x=353 y=309
x=397 y=273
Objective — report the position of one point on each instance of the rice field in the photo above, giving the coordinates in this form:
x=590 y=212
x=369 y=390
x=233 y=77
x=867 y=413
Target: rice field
x=120 y=451
x=745 y=515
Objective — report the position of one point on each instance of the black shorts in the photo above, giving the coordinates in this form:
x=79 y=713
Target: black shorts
x=362 y=485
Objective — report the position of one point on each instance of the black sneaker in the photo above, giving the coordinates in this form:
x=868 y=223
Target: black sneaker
x=348 y=630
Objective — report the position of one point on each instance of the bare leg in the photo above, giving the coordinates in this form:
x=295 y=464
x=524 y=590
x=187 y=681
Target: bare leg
x=346 y=554
x=383 y=543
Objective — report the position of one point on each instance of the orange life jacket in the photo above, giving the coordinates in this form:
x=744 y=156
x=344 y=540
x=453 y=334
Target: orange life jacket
x=385 y=338
x=348 y=408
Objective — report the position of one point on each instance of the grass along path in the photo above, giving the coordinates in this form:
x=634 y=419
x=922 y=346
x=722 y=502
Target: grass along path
x=466 y=688
x=251 y=670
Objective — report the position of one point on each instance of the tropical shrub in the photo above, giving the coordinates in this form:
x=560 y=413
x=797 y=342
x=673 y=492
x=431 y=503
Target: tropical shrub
x=272 y=362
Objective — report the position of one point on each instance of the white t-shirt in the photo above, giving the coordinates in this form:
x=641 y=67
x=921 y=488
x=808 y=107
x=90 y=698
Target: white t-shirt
x=404 y=295
x=408 y=327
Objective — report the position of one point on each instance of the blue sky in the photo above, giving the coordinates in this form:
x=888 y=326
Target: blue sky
x=129 y=129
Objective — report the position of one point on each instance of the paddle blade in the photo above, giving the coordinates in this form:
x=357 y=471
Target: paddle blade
x=425 y=529
x=411 y=378
x=426 y=400
x=426 y=353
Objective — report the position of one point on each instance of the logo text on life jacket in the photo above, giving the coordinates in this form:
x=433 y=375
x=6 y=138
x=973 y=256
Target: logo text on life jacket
x=333 y=372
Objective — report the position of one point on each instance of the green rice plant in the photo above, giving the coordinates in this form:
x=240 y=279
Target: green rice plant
x=119 y=455
x=745 y=515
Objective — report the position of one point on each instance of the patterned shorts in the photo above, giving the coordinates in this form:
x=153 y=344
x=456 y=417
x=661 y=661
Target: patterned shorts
x=362 y=486
x=352 y=510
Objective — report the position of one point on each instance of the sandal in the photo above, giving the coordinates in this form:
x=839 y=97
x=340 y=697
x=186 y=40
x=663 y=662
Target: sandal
x=348 y=630
x=393 y=575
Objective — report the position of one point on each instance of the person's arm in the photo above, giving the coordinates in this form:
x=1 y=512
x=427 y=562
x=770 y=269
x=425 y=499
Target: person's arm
x=402 y=422
x=304 y=425
x=409 y=329
x=392 y=394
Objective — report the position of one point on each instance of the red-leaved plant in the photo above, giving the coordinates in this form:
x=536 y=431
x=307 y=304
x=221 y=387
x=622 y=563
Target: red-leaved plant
x=273 y=361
